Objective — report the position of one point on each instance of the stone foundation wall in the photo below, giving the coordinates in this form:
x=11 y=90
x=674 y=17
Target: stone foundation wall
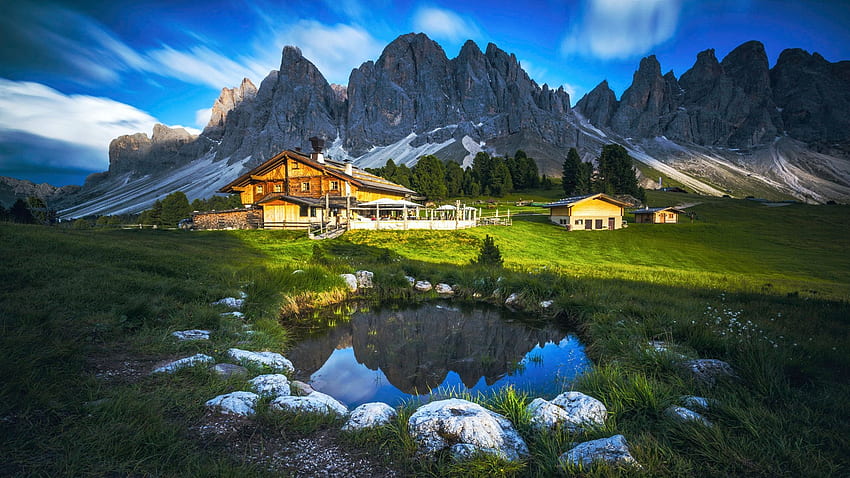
x=231 y=219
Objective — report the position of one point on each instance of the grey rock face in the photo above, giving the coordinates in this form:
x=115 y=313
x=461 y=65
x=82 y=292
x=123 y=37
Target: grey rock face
x=813 y=96
x=227 y=101
x=599 y=105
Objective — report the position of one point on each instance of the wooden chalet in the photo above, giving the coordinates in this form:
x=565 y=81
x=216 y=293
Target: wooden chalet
x=294 y=190
x=657 y=215
x=592 y=212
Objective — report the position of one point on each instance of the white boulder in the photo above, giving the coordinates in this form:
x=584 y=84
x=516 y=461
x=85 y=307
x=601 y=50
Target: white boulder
x=422 y=286
x=444 y=289
x=708 y=371
x=682 y=414
x=364 y=279
x=512 y=300
x=445 y=424
x=234 y=314
x=194 y=334
x=272 y=360
x=300 y=388
x=583 y=411
x=410 y=280
x=231 y=302
x=545 y=415
x=612 y=451
x=692 y=401
x=350 y=281
x=316 y=402
x=197 y=359
x=271 y=385
x=369 y=415
x=545 y=304
x=234 y=403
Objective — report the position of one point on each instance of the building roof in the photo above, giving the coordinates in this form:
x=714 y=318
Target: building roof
x=652 y=210
x=571 y=201
x=358 y=176
x=332 y=201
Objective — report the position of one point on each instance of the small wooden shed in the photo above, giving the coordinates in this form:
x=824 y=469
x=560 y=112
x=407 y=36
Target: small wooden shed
x=657 y=215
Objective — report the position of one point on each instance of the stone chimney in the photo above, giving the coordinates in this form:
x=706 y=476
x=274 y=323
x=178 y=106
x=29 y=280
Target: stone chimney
x=318 y=144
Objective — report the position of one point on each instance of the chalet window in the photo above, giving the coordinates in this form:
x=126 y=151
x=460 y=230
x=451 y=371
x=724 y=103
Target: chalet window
x=305 y=187
x=303 y=211
x=278 y=188
x=598 y=224
x=259 y=189
x=334 y=185
x=295 y=165
x=579 y=222
x=313 y=211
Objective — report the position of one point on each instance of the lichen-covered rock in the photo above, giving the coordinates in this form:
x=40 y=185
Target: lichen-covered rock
x=271 y=385
x=512 y=300
x=228 y=370
x=350 y=281
x=446 y=423
x=234 y=403
x=410 y=280
x=231 y=302
x=545 y=304
x=364 y=279
x=682 y=414
x=583 y=410
x=272 y=360
x=369 y=415
x=612 y=451
x=444 y=289
x=422 y=286
x=194 y=334
x=197 y=359
x=708 y=371
x=546 y=415
x=316 y=402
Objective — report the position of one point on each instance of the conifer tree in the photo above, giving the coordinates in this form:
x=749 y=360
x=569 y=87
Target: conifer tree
x=489 y=255
x=429 y=177
x=570 y=176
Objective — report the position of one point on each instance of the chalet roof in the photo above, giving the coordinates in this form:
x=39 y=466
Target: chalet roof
x=571 y=201
x=653 y=210
x=333 y=201
x=358 y=177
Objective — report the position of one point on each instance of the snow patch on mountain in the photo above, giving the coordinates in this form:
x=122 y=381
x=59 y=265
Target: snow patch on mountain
x=401 y=152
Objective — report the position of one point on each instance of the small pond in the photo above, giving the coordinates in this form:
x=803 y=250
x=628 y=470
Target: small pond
x=393 y=355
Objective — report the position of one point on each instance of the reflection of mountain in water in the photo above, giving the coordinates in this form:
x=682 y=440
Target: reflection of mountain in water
x=416 y=348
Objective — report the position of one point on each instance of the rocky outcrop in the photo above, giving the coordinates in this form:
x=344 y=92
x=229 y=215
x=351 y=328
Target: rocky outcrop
x=599 y=105
x=12 y=189
x=227 y=101
x=813 y=96
x=139 y=154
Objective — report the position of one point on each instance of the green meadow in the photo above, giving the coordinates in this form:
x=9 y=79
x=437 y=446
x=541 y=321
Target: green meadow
x=86 y=314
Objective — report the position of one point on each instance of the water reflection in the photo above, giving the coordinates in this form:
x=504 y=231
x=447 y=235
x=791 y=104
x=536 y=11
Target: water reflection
x=391 y=355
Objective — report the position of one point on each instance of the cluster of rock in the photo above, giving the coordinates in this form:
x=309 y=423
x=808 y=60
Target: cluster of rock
x=359 y=280
x=739 y=102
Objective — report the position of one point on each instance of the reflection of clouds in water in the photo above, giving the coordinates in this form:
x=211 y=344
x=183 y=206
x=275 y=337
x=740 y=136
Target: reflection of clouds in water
x=345 y=379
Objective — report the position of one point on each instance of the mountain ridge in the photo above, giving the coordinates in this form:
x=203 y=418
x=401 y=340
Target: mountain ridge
x=719 y=120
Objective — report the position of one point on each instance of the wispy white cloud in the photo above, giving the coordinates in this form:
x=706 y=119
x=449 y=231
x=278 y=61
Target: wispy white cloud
x=83 y=121
x=442 y=24
x=614 y=29
x=202 y=66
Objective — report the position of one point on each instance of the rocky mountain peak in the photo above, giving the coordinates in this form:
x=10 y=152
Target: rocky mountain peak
x=599 y=105
x=227 y=101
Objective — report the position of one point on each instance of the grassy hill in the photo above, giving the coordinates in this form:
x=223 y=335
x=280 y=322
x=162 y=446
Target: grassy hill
x=86 y=314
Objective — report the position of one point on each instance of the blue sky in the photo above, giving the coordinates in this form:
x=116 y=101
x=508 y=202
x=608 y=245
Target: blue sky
x=74 y=75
